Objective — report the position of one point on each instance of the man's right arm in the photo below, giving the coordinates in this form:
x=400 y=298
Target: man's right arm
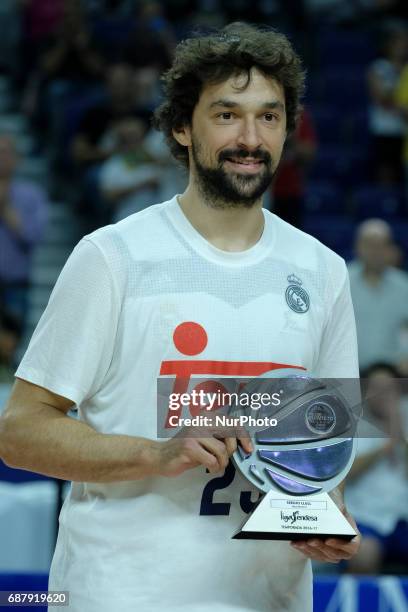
x=37 y=434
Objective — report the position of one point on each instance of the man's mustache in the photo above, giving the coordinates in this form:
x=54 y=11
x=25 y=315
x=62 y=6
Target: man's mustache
x=242 y=154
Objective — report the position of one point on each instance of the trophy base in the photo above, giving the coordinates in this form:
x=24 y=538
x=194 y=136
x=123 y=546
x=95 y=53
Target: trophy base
x=267 y=535
x=283 y=517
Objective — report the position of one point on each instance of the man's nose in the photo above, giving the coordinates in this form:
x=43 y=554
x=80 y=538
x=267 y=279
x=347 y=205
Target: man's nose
x=249 y=137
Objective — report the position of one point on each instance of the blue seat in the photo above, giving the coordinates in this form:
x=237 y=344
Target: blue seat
x=344 y=88
x=335 y=231
x=330 y=124
x=342 y=164
x=314 y=90
x=110 y=34
x=377 y=201
x=345 y=48
x=359 y=167
x=330 y=163
x=323 y=197
x=357 y=129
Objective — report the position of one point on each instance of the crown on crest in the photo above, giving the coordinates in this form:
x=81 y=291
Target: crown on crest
x=294 y=280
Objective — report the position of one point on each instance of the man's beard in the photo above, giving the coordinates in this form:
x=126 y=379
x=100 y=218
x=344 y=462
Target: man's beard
x=223 y=189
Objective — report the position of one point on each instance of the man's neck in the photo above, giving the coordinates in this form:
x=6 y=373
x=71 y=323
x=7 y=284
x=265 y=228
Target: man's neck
x=229 y=229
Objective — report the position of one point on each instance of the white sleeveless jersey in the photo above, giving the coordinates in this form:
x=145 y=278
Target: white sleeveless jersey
x=150 y=297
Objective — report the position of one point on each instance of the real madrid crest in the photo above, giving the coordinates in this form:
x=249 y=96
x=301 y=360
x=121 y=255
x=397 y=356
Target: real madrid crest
x=297 y=298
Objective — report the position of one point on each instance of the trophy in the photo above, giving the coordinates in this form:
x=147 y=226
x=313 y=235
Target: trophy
x=299 y=459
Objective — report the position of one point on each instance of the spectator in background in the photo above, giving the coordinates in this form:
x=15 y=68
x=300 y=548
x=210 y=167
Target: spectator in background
x=110 y=8
x=152 y=41
x=40 y=20
x=68 y=62
x=173 y=176
x=385 y=119
x=129 y=180
x=396 y=256
x=70 y=55
x=289 y=185
x=10 y=28
x=403 y=346
x=391 y=8
x=380 y=295
x=23 y=217
x=377 y=484
x=401 y=99
x=149 y=50
x=10 y=335
x=95 y=140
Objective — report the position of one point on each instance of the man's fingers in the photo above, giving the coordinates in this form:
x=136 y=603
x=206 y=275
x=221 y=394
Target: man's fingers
x=244 y=439
x=231 y=445
x=318 y=553
x=246 y=444
x=322 y=550
x=219 y=443
x=197 y=453
x=346 y=547
x=218 y=449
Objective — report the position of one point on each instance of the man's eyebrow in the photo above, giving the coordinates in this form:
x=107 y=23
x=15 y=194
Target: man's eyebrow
x=224 y=103
x=274 y=105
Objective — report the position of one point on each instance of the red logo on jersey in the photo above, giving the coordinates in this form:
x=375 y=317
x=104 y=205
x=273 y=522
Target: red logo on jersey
x=190 y=339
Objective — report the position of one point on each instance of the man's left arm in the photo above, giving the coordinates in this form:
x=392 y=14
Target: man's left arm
x=338 y=358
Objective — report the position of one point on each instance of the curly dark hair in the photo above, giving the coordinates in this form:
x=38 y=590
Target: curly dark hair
x=215 y=57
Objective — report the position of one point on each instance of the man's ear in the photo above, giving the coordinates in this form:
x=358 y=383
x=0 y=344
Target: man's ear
x=183 y=135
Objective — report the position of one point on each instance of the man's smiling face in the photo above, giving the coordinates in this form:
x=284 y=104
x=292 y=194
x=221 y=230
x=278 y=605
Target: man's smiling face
x=236 y=138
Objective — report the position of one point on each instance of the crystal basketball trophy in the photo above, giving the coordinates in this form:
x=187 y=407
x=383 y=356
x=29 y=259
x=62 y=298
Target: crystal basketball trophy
x=300 y=459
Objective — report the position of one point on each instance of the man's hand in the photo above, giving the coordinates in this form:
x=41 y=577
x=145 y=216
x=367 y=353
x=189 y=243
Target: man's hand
x=331 y=550
x=212 y=450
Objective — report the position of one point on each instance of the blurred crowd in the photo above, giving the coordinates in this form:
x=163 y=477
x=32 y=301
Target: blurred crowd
x=86 y=76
